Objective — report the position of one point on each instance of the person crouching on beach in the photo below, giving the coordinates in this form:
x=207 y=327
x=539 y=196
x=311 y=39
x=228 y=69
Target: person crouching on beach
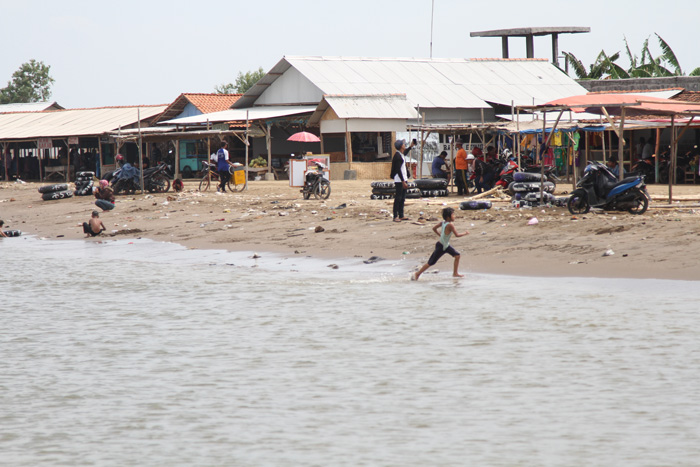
x=94 y=226
x=444 y=229
x=2 y=234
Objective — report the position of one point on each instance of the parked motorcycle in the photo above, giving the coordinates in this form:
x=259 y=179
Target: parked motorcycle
x=599 y=188
x=645 y=168
x=157 y=179
x=315 y=183
x=505 y=175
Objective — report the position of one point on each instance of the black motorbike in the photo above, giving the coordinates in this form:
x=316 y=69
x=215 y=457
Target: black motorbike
x=127 y=179
x=316 y=184
x=157 y=179
x=599 y=188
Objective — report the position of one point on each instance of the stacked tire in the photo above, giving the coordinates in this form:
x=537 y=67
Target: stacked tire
x=54 y=192
x=420 y=188
x=386 y=190
x=432 y=187
x=532 y=189
x=84 y=181
x=12 y=233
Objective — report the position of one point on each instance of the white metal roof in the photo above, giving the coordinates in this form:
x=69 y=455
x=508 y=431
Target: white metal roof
x=369 y=106
x=72 y=122
x=255 y=113
x=29 y=107
x=429 y=83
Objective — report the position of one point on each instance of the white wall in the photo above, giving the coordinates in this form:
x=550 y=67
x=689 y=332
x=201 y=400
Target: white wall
x=290 y=88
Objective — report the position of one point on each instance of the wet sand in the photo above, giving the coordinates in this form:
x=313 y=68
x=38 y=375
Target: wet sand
x=664 y=243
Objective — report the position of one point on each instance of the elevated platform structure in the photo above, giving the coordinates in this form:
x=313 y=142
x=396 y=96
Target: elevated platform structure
x=529 y=34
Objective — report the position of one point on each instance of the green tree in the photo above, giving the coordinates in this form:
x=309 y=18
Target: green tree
x=30 y=83
x=244 y=81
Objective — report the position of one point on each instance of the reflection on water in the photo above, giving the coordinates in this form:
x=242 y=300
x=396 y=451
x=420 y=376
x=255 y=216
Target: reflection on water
x=146 y=353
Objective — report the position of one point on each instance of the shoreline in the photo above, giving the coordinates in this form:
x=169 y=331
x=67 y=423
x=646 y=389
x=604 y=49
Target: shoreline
x=272 y=217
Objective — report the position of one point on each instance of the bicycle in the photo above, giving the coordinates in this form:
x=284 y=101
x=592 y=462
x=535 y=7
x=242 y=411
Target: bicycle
x=237 y=182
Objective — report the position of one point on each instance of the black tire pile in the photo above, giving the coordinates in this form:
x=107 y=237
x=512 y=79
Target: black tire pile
x=53 y=192
x=84 y=181
x=527 y=186
x=421 y=188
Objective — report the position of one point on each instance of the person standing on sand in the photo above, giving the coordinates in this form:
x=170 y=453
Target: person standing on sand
x=446 y=229
x=400 y=175
x=94 y=226
x=222 y=166
x=461 y=169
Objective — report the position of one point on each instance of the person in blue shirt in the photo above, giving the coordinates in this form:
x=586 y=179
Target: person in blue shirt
x=439 y=168
x=614 y=167
x=222 y=166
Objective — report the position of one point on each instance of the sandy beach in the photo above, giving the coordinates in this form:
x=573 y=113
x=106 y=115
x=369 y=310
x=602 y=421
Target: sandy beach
x=270 y=216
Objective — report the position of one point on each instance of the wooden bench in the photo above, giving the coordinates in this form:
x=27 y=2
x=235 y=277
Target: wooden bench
x=56 y=171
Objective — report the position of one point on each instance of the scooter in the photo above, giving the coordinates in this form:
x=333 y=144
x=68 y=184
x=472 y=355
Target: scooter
x=505 y=177
x=599 y=188
x=316 y=184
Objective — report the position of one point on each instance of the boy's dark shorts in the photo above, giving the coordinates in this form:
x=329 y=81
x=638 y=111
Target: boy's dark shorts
x=437 y=254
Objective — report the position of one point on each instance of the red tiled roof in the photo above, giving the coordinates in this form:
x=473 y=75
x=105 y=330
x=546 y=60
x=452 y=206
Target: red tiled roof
x=208 y=103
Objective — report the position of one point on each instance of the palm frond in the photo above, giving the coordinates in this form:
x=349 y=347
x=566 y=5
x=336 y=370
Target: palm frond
x=632 y=58
x=577 y=65
x=669 y=56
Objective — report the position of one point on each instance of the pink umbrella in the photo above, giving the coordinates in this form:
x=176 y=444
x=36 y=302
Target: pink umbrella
x=304 y=137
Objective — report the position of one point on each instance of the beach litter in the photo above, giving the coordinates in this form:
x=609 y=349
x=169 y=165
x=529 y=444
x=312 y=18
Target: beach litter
x=319 y=229
x=533 y=221
x=608 y=253
x=373 y=259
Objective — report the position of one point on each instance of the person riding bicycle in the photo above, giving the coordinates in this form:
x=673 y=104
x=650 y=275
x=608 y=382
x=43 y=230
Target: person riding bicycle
x=222 y=166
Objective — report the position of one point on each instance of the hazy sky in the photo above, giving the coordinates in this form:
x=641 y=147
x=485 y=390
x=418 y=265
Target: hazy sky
x=148 y=52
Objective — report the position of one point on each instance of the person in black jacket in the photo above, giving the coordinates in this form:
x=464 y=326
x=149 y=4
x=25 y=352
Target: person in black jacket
x=400 y=175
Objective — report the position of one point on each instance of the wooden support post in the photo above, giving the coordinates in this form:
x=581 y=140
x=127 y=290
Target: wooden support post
x=3 y=149
x=657 y=147
x=672 y=161
x=268 y=141
x=555 y=49
x=177 y=158
x=621 y=145
x=348 y=144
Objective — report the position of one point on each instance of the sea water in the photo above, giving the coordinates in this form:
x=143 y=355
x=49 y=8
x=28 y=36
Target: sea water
x=146 y=353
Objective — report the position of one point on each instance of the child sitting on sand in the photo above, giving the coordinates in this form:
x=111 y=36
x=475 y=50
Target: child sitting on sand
x=2 y=234
x=446 y=228
x=94 y=226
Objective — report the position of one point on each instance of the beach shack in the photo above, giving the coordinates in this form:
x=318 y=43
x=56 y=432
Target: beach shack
x=54 y=143
x=439 y=91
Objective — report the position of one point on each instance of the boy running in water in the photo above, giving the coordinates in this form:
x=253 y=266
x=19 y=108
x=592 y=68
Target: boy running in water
x=444 y=229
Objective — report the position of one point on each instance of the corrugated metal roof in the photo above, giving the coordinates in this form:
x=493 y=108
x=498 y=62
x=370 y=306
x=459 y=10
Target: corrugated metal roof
x=255 y=113
x=376 y=106
x=72 y=122
x=430 y=83
x=29 y=107
x=367 y=106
